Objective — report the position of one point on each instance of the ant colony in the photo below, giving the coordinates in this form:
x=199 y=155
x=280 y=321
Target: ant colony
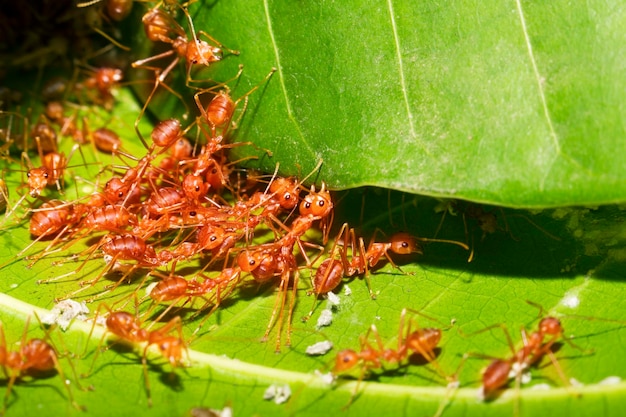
x=150 y=242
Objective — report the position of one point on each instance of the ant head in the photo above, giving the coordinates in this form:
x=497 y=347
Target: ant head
x=266 y=268
x=107 y=77
x=172 y=348
x=216 y=176
x=248 y=261
x=115 y=190
x=317 y=204
x=551 y=326
x=37 y=180
x=181 y=149
x=194 y=187
x=54 y=110
x=286 y=192
x=403 y=243
x=200 y=52
x=345 y=360
x=211 y=236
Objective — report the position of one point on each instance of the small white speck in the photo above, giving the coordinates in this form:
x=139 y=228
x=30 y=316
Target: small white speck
x=347 y=290
x=570 y=300
x=521 y=370
x=319 y=348
x=64 y=312
x=541 y=387
x=279 y=393
x=610 y=380
x=480 y=394
x=453 y=384
x=575 y=383
x=14 y=286
x=325 y=318
x=327 y=378
x=333 y=299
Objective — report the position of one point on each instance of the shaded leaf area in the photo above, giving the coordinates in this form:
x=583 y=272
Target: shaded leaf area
x=513 y=103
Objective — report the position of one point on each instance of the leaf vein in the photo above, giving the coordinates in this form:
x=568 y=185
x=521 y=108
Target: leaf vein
x=281 y=77
x=402 y=77
x=544 y=102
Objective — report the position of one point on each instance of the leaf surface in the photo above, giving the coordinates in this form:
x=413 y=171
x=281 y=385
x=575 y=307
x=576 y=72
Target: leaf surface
x=515 y=103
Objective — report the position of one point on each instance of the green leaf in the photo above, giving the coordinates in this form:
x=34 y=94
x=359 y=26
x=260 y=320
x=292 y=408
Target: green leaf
x=515 y=103
x=228 y=366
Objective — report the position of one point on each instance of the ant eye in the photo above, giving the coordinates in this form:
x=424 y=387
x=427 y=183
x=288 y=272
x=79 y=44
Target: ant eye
x=28 y=175
x=251 y=262
x=321 y=203
x=193 y=213
x=197 y=188
x=213 y=238
x=405 y=244
x=287 y=196
x=307 y=205
x=120 y=194
x=45 y=175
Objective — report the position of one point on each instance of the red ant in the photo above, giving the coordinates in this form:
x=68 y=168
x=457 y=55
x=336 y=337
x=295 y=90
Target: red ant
x=117 y=247
x=103 y=80
x=536 y=345
x=277 y=259
x=176 y=288
x=220 y=110
x=421 y=341
x=53 y=218
x=128 y=329
x=161 y=27
x=34 y=357
x=51 y=172
x=330 y=272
